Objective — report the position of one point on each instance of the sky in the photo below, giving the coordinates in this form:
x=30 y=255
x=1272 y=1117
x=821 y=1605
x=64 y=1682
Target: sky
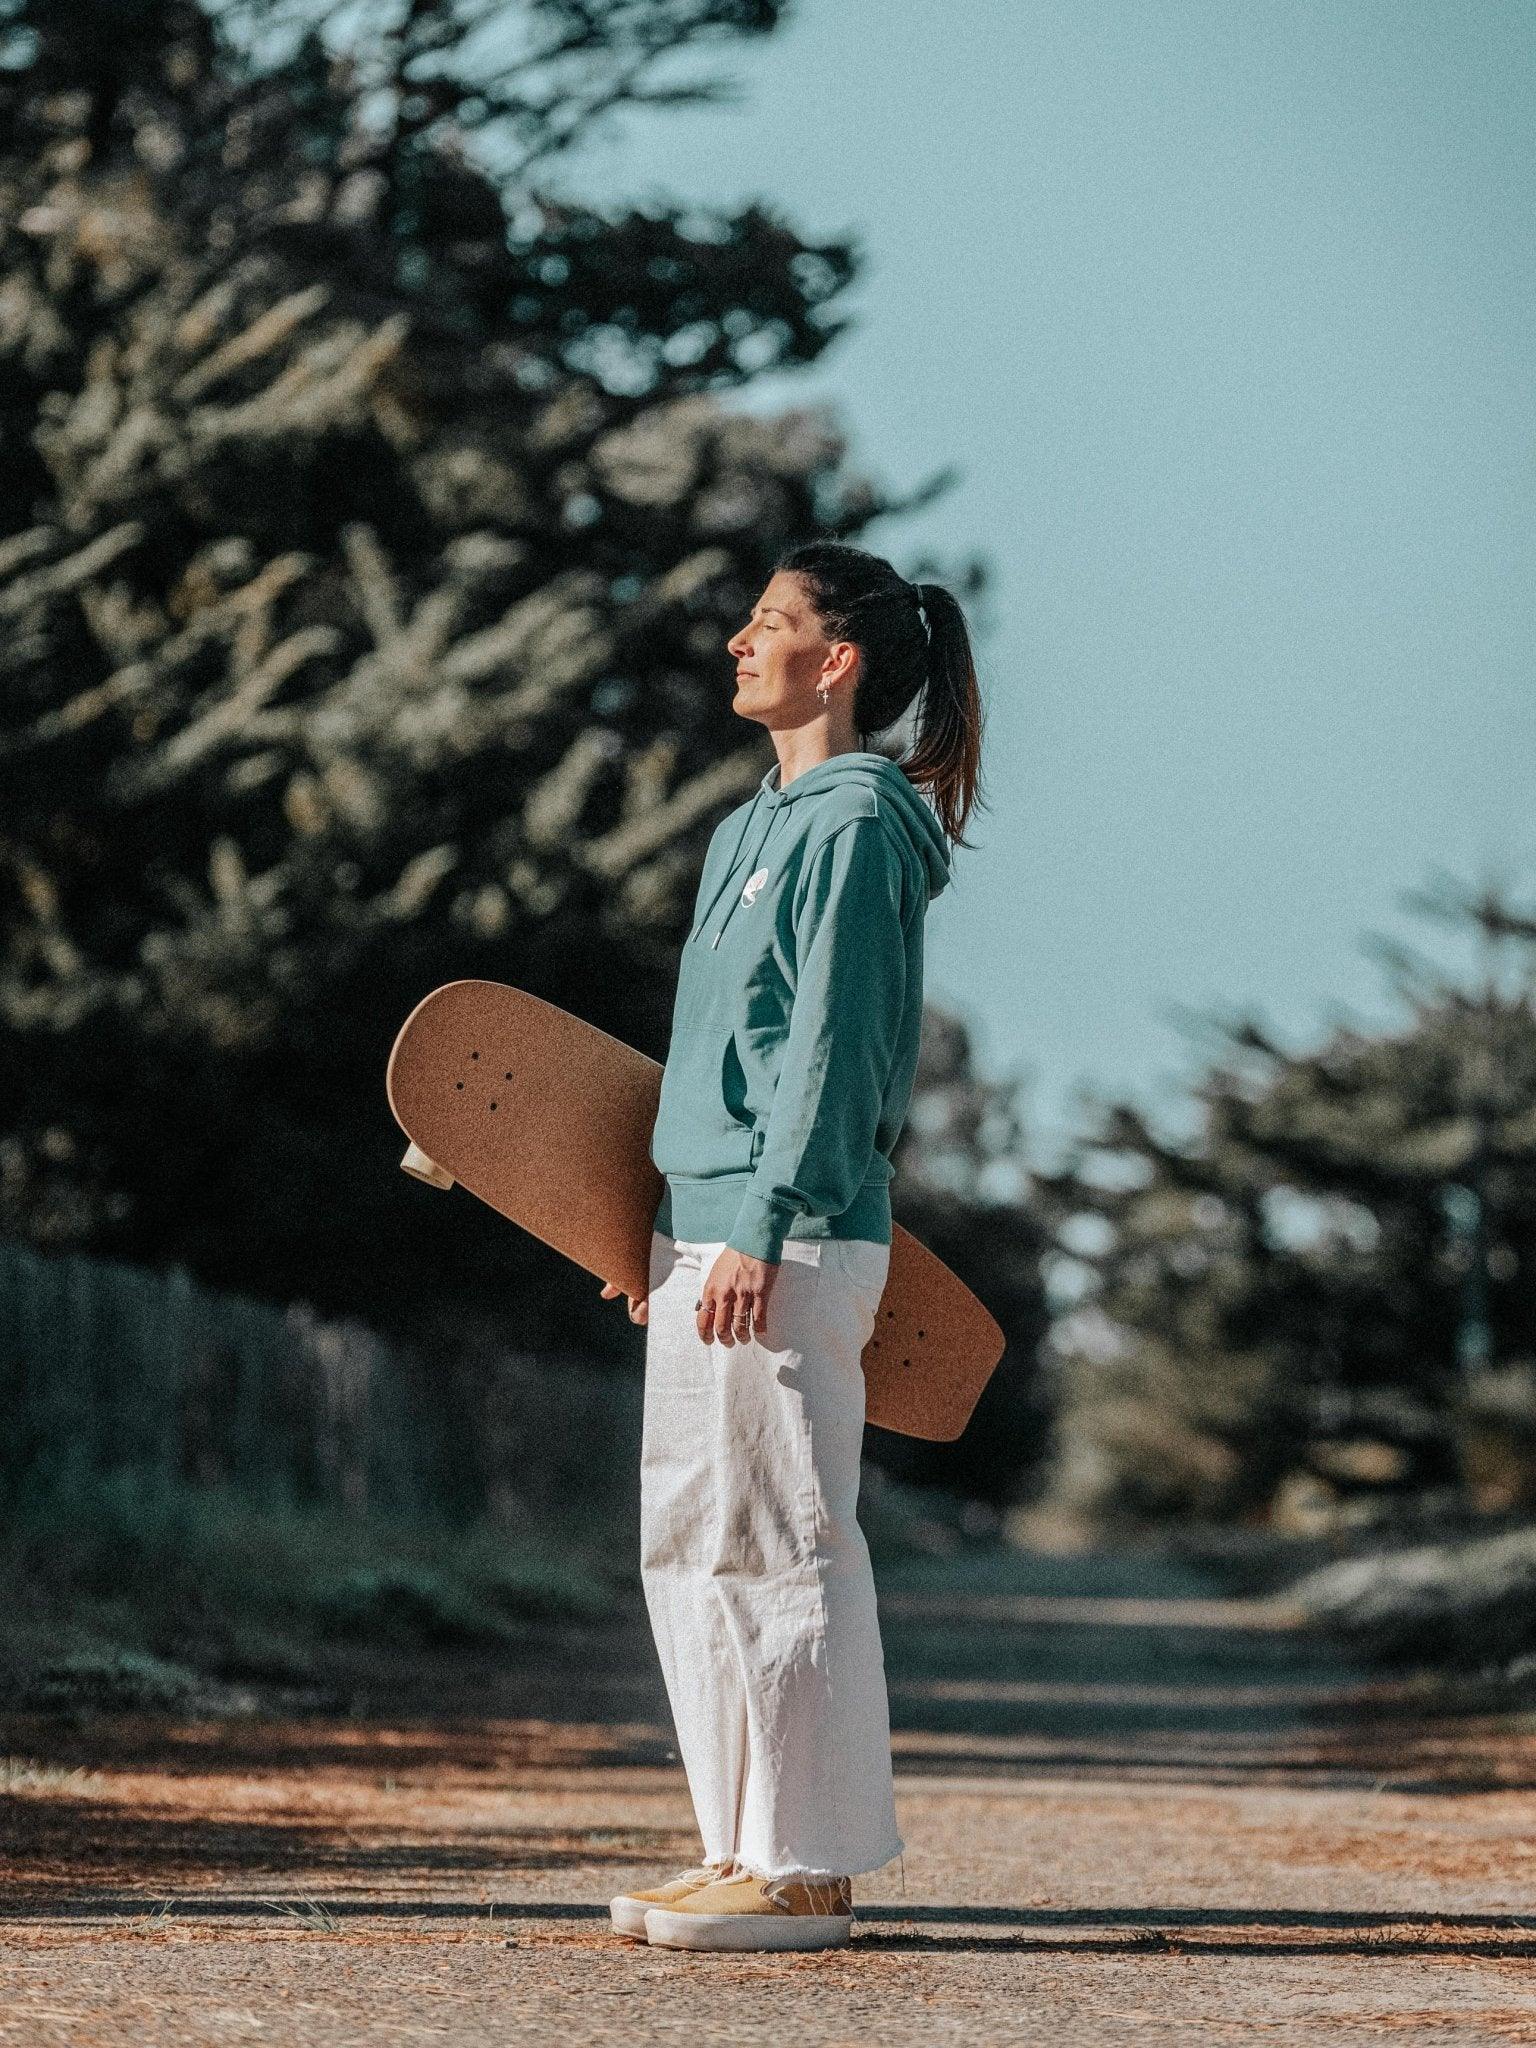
x=1226 y=315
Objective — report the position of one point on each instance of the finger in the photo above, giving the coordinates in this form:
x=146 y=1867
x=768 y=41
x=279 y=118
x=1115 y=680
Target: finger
x=725 y=1315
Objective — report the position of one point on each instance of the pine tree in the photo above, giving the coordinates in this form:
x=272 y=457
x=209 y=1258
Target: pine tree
x=375 y=527
x=1329 y=1279
x=960 y=1164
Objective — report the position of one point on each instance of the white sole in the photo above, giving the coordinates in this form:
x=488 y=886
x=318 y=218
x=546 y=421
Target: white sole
x=628 y=1913
x=628 y=1916
x=665 y=1929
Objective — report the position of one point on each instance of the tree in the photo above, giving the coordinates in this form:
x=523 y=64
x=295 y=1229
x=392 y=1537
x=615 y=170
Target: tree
x=376 y=527
x=1287 y=1291
x=960 y=1165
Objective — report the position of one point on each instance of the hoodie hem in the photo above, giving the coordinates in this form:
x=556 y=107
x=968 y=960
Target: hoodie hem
x=704 y=1211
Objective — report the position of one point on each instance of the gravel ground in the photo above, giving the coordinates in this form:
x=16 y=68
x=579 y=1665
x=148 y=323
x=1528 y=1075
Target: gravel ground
x=1134 y=1811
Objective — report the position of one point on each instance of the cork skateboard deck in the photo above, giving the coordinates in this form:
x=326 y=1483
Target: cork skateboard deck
x=549 y=1120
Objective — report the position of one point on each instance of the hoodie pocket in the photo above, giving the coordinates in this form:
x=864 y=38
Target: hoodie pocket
x=733 y=1087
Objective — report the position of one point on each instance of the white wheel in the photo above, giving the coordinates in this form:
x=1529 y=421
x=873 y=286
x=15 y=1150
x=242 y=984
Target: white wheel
x=417 y=1162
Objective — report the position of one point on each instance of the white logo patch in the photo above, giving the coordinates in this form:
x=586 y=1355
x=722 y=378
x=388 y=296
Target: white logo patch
x=754 y=883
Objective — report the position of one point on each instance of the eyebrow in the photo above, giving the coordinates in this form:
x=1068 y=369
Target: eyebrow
x=779 y=609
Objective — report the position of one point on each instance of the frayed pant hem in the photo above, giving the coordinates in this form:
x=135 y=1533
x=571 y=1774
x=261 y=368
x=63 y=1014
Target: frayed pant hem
x=799 y=1873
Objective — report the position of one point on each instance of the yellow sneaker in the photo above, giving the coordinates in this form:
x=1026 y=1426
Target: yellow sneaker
x=757 y=1913
x=628 y=1910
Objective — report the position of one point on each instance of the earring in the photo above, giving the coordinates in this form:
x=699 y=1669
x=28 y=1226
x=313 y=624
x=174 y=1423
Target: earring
x=824 y=693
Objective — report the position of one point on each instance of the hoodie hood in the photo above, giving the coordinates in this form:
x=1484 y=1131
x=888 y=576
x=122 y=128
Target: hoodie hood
x=880 y=773
x=771 y=811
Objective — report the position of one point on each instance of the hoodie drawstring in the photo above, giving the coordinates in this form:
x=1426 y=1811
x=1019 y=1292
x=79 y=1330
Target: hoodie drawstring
x=730 y=869
x=750 y=863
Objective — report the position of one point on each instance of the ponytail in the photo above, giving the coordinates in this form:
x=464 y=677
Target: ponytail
x=946 y=752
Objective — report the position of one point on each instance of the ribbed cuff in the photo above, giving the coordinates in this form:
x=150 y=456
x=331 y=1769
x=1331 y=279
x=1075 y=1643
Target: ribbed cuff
x=760 y=1229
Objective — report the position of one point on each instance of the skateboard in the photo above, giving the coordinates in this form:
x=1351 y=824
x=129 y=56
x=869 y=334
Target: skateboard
x=549 y=1121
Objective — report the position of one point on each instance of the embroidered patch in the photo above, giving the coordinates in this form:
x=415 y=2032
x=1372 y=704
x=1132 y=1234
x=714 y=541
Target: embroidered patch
x=755 y=882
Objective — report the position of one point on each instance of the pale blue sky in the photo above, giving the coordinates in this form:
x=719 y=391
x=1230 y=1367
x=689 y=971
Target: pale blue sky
x=1227 y=314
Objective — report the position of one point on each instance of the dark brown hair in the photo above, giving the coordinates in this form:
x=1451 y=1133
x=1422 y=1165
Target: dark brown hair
x=858 y=596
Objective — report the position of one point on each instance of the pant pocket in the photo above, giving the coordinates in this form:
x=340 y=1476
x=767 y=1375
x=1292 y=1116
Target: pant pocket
x=763 y=1389
x=862 y=1265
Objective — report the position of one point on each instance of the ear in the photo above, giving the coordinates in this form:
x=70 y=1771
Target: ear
x=842 y=663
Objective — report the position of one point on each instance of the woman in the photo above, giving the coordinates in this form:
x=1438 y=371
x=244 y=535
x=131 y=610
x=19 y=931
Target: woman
x=794 y=1047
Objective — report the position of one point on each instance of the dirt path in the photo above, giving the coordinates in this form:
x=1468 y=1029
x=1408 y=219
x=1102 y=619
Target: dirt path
x=1134 y=1812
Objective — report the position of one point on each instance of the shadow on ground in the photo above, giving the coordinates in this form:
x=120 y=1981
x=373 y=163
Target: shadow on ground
x=1019 y=1669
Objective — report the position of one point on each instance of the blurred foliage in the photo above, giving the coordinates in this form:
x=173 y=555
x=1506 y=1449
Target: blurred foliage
x=375 y=530
x=960 y=1171
x=206 y=1599
x=1466 y=1602
x=155 y=1387
x=1320 y=1303
x=207 y=1502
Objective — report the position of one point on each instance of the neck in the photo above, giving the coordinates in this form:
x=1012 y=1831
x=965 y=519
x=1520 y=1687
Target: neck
x=798 y=751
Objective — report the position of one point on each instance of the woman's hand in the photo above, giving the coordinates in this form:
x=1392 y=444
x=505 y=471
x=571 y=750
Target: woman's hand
x=639 y=1304
x=733 y=1304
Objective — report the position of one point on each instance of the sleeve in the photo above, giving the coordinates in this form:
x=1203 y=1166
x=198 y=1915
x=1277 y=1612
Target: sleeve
x=844 y=1027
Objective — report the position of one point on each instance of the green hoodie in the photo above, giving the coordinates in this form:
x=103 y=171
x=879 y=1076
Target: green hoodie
x=799 y=1008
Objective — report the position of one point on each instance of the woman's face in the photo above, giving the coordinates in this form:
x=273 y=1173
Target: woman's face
x=781 y=654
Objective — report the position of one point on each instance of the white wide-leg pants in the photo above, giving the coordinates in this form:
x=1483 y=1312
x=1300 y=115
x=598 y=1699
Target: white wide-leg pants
x=756 y=1572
